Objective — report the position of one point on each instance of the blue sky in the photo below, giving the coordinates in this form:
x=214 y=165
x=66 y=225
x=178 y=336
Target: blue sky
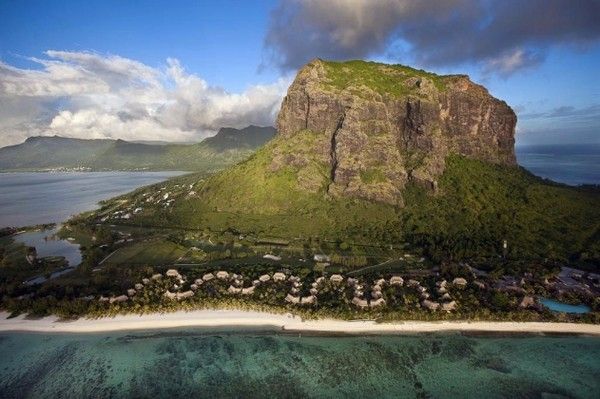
x=229 y=62
x=220 y=41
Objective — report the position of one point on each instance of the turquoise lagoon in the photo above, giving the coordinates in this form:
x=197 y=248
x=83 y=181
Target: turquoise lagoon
x=267 y=364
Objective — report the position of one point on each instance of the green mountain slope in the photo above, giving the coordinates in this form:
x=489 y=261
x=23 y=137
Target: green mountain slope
x=478 y=205
x=226 y=148
x=439 y=175
x=51 y=152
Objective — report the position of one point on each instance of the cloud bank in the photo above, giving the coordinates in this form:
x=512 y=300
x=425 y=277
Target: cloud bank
x=87 y=95
x=499 y=36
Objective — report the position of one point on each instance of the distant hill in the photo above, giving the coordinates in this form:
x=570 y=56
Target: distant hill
x=250 y=137
x=227 y=147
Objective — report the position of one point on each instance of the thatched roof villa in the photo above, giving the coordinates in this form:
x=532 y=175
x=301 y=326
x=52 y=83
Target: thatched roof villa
x=361 y=303
x=397 y=280
x=377 y=302
x=292 y=299
x=222 y=275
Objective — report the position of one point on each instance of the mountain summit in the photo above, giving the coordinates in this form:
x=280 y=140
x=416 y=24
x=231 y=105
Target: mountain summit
x=383 y=125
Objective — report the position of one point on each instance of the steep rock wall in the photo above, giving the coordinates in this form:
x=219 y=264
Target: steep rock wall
x=384 y=125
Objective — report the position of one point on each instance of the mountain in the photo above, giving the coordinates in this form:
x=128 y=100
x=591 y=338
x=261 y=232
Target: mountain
x=51 y=152
x=250 y=137
x=387 y=154
x=227 y=147
x=384 y=125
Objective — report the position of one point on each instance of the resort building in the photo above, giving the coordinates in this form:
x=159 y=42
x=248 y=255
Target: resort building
x=292 y=299
x=248 y=290
x=120 y=298
x=381 y=282
x=459 y=281
x=377 y=302
x=173 y=273
x=431 y=305
x=361 y=303
x=222 y=275
x=185 y=294
x=233 y=290
x=321 y=258
x=308 y=300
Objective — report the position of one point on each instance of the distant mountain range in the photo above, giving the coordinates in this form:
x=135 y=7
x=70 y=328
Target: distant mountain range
x=227 y=147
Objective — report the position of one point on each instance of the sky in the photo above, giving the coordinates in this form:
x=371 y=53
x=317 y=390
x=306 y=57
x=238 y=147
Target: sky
x=180 y=70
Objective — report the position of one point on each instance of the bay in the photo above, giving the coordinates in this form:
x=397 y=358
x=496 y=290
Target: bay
x=36 y=198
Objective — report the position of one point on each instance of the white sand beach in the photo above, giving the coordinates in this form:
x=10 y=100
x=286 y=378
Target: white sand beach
x=289 y=323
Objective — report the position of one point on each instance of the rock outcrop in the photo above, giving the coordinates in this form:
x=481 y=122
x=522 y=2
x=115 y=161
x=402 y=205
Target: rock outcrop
x=381 y=126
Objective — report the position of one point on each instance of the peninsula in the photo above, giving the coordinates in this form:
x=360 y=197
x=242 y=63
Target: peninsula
x=388 y=194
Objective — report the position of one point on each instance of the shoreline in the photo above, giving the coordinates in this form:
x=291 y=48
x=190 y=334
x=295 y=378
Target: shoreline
x=287 y=323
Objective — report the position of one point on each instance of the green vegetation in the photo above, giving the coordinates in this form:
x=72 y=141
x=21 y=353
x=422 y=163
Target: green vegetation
x=155 y=252
x=384 y=79
x=372 y=175
x=479 y=205
x=476 y=207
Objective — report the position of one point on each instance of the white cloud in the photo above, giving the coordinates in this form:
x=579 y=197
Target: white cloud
x=87 y=95
x=511 y=61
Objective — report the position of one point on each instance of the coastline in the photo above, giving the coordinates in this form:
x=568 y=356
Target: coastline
x=286 y=323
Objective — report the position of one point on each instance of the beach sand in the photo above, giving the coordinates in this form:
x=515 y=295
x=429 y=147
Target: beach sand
x=289 y=323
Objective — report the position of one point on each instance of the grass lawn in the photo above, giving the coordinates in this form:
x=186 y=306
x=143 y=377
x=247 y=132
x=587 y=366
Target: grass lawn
x=148 y=253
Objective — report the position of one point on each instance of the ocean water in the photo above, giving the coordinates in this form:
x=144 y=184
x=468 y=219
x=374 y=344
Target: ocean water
x=569 y=164
x=36 y=198
x=209 y=364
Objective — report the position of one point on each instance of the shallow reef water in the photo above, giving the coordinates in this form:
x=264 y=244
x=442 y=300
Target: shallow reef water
x=254 y=364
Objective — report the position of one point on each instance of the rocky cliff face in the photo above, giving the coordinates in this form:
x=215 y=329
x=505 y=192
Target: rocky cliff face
x=380 y=126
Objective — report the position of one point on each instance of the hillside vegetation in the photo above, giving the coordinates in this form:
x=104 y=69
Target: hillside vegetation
x=423 y=160
x=226 y=148
x=478 y=205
